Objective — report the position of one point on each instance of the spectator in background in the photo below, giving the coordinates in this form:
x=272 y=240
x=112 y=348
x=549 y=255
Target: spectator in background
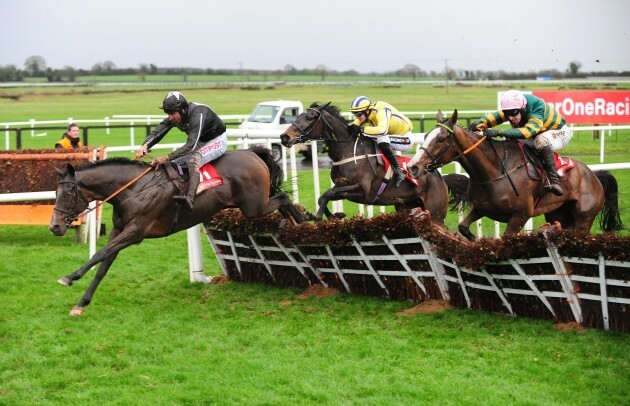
x=70 y=139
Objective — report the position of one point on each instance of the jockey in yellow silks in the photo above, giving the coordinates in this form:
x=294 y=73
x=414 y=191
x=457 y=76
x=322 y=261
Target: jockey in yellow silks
x=380 y=120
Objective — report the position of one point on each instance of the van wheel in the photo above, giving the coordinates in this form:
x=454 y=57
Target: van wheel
x=276 y=152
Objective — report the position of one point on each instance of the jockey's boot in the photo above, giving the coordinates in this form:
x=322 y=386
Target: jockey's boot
x=391 y=157
x=193 y=182
x=554 y=186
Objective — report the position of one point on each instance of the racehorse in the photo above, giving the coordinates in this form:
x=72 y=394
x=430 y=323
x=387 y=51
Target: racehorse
x=501 y=188
x=357 y=175
x=144 y=208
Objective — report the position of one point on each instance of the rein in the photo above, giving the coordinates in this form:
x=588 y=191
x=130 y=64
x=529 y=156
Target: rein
x=305 y=132
x=434 y=165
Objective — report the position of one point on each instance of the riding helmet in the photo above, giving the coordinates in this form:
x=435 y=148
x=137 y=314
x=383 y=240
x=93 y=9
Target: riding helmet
x=512 y=100
x=174 y=101
x=360 y=103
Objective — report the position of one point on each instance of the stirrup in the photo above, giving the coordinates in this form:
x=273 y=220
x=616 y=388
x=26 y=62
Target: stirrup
x=400 y=177
x=189 y=201
x=554 y=188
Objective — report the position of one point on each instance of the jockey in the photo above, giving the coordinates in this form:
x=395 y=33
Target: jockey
x=379 y=120
x=530 y=116
x=70 y=139
x=206 y=138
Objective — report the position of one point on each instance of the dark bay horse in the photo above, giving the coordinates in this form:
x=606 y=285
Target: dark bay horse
x=145 y=209
x=358 y=176
x=494 y=165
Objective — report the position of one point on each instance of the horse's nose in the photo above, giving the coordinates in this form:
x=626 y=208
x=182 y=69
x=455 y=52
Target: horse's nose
x=54 y=228
x=284 y=138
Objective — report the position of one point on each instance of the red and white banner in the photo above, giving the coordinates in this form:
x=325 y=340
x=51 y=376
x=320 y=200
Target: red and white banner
x=593 y=107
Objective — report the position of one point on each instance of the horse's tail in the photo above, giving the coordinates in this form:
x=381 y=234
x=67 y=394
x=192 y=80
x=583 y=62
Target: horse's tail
x=276 y=175
x=609 y=216
x=458 y=191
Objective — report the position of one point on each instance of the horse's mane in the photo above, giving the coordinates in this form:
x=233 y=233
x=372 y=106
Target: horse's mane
x=334 y=110
x=110 y=161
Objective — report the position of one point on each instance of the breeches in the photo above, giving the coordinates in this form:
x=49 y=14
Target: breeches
x=555 y=139
x=207 y=152
x=398 y=142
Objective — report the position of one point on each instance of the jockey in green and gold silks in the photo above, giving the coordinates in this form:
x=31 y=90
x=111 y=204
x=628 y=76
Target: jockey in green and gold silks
x=537 y=118
x=530 y=117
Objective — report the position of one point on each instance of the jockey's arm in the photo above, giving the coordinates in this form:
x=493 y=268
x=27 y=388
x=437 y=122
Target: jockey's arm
x=157 y=134
x=382 y=124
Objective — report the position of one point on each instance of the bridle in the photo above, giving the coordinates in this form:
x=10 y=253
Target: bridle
x=304 y=132
x=72 y=214
x=433 y=165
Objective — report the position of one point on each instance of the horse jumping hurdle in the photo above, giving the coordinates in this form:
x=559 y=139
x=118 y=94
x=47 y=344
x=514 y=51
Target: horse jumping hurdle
x=558 y=275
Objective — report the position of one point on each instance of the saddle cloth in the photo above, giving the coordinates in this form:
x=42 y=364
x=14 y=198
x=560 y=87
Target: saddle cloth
x=208 y=176
x=402 y=162
x=533 y=162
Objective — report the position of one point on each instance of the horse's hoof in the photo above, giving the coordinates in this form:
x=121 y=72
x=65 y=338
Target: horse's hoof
x=65 y=281
x=339 y=215
x=76 y=311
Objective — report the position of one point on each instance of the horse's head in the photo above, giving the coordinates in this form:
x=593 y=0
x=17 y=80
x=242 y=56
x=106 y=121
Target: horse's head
x=70 y=201
x=437 y=148
x=310 y=125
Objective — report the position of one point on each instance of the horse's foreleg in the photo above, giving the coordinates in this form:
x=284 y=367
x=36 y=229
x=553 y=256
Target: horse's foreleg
x=515 y=224
x=99 y=256
x=106 y=256
x=281 y=202
x=348 y=192
x=464 y=226
x=435 y=198
x=77 y=310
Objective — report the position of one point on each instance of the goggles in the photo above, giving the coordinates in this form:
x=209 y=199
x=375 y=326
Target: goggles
x=511 y=112
x=359 y=113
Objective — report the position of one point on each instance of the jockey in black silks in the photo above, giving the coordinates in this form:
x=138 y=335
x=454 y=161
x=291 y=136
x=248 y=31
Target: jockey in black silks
x=206 y=138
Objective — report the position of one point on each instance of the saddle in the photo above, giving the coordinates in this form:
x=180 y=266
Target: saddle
x=208 y=176
x=533 y=162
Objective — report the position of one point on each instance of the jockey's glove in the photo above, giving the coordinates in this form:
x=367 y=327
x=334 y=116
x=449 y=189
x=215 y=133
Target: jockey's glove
x=159 y=160
x=476 y=126
x=492 y=133
x=354 y=129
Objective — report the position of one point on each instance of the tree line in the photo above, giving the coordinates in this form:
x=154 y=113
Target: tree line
x=36 y=67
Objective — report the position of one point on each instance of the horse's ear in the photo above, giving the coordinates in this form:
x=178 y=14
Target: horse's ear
x=70 y=169
x=60 y=172
x=325 y=106
x=453 y=118
x=439 y=116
